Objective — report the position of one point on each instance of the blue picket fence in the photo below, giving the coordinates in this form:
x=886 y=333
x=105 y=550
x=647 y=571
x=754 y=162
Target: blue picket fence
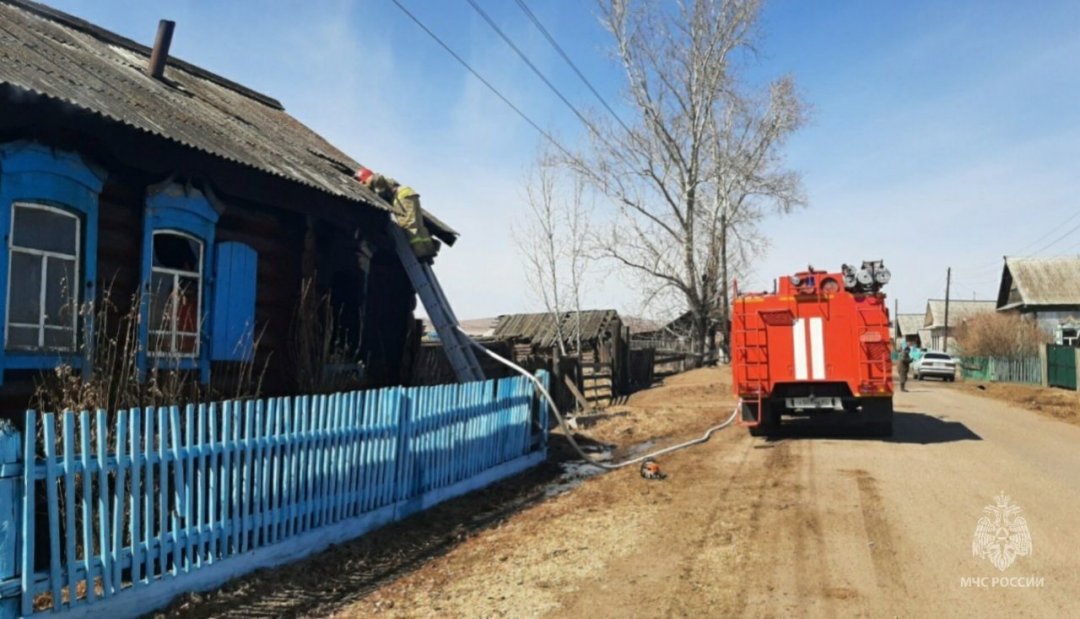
x=144 y=504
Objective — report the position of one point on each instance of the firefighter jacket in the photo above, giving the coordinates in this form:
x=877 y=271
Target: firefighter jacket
x=407 y=212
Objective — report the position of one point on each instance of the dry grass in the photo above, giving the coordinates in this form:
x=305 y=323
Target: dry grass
x=1052 y=402
x=415 y=567
x=681 y=406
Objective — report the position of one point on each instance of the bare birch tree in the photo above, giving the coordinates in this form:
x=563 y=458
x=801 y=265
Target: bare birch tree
x=553 y=245
x=698 y=165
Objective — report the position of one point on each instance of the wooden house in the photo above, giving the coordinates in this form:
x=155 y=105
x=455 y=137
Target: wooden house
x=933 y=333
x=906 y=330
x=191 y=198
x=1046 y=291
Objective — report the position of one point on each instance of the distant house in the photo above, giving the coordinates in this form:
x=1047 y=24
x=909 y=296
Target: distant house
x=601 y=332
x=959 y=312
x=195 y=196
x=677 y=336
x=1046 y=290
x=605 y=349
x=474 y=328
x=906 y=329
x=640 y=327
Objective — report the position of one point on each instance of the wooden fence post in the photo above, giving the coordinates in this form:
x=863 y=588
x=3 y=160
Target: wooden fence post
x=10 y=455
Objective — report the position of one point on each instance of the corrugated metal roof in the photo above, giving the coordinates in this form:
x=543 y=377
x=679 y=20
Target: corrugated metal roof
x=959 y=311
x=539 y=329
x=637 y=324
x=58 y=56
x=1045 y=281
x=909 y=324
x=473 y=327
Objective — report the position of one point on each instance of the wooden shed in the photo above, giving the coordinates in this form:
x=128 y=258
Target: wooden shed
x=604 y=346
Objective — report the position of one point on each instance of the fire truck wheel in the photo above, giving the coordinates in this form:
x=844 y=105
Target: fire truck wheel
x=770 y=420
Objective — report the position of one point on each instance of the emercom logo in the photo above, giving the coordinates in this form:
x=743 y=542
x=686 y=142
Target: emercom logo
x=1002 y=534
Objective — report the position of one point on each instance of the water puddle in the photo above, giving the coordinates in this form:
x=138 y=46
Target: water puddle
x=575 y=472
x=640 y=448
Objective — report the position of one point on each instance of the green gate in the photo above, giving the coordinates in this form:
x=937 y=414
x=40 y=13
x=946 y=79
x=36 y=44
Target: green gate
x=1061 y=366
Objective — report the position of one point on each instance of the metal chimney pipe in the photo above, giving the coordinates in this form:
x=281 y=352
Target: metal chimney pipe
x=156 y=68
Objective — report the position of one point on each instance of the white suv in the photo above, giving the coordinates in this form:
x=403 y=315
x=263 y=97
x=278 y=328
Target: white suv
x=936 y=364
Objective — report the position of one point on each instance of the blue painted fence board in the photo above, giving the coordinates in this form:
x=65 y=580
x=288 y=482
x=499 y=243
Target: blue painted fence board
x=156 y=501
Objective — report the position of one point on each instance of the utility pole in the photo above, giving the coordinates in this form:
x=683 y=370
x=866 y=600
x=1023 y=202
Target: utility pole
x=948 y=281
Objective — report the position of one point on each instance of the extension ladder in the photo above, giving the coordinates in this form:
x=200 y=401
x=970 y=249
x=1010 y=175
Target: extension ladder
x=456 y=344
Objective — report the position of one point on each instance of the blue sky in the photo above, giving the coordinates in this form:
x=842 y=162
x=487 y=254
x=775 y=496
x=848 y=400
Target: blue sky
x=942 y=134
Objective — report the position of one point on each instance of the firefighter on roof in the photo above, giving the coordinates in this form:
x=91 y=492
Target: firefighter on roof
x=406 y=203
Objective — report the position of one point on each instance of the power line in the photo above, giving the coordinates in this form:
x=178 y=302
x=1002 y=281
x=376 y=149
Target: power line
x=988 y=267
x=540 y=74
x=540 y=26
x=1077 y=246
x=1051 y=231
x=481 y=78
x=1057 y=240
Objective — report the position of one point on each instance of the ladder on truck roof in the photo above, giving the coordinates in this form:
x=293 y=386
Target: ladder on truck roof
x=456 y=344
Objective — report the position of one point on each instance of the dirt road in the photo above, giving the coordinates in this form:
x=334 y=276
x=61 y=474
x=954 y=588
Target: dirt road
x=806 y=525
x=813 y=526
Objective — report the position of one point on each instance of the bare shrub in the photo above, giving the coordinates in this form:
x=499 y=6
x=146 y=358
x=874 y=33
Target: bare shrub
x=323 y=358
x=999 y=335
x=110 y=378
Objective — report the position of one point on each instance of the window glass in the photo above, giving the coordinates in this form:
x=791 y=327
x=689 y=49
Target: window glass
x=22 y=337
x=59 y=339
x=187 y=344
x=175 y=294
x=43 y=286
x=59 y=292
x=24 y=290
x=160 y=291
x=187 y=305
x=160 y=341
x=45 y=229
x=176 y=252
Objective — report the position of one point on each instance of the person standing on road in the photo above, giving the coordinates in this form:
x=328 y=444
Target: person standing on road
x=905 y=365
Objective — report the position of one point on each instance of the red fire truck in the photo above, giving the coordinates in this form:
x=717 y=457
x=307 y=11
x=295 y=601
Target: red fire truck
x=819 y=344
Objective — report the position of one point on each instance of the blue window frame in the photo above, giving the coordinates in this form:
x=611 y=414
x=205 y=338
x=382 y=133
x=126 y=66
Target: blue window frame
x=178 y=246
x=48 y=218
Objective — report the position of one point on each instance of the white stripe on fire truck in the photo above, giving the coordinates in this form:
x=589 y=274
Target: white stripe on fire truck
x=798 y=335
x=817 y=349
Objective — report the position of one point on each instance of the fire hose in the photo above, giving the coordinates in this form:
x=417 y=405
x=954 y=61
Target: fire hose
x=570 y=435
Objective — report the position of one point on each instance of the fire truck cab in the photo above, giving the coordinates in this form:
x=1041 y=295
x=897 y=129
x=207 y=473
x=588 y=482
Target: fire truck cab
x=819 y=344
